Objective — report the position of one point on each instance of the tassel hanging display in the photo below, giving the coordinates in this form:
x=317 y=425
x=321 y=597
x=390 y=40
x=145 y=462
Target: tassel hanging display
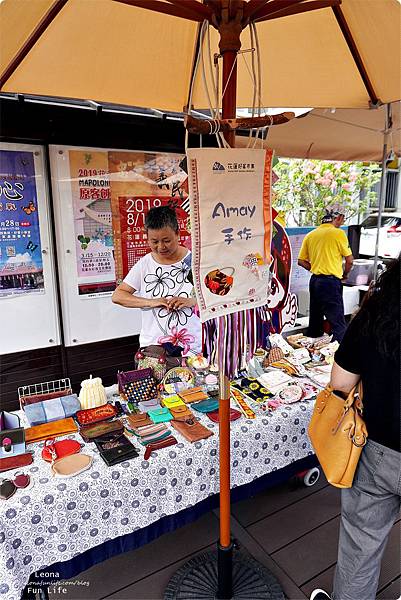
x=231 y=340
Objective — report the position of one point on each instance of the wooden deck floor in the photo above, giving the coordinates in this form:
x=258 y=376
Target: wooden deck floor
x=293 y=532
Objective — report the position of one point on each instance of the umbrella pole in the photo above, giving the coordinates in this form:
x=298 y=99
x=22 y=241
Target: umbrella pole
x=225 y=545
x=383 y=187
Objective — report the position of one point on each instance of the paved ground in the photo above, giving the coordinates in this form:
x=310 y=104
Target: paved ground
x=293 y=532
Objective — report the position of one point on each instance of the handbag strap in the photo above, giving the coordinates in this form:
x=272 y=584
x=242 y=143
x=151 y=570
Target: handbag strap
x=355 y=398
x=50 y=444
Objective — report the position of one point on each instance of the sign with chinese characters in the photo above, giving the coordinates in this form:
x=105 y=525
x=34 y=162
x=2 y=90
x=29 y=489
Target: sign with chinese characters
x=139 y=182
x=21 y=265
x=231 y=228
x=93 y=236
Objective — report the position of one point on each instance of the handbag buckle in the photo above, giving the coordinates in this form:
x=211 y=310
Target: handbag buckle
x=355 y=437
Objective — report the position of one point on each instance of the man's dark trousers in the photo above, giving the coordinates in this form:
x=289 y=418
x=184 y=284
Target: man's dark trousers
x=326 y=300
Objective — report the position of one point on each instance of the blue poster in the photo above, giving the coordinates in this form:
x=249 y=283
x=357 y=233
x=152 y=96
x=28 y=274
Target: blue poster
x=21 y=265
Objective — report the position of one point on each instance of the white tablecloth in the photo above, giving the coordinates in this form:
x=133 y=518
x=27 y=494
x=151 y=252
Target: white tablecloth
x=57 y=519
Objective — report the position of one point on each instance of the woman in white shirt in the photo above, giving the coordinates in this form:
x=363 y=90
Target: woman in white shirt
x=158 y=285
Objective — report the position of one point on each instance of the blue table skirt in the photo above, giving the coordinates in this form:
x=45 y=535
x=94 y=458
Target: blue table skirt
x=131 y=541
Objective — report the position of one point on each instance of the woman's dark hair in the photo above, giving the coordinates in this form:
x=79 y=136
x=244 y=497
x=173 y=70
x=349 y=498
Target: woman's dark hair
x=380 y=313
x=161 y=216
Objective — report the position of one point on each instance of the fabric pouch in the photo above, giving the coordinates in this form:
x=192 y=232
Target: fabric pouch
x=157 y=437
x=181 y=413
x=15 y=462
x=148 y=405
x=168 y=441
x=52 y=410
x=172 y=401
x=114 y=456
x=96 y=415
x=255 y=390
x=138 y=420
x=149 y=429
x=192 y=430
x=33 y=399
x=72 y=465
x=160 y=415
x=158 y=359
x=205 y=406
x=138 y=385
x=193 y=395
x=12 y=435
x=234 y=415
x=53 y=450
x=91 y=432
x=111 y=441
x=37 y=433
x=273 y=355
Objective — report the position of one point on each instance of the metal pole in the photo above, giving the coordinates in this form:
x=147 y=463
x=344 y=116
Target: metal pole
x=383 y=187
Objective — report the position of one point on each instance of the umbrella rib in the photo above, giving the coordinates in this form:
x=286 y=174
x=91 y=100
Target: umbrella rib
x=273 y=7
x=355 y=54
x=254 y=6
x=357 y=125
x=41 y=27
x=297 y=7
x=200 y=9
x=163 y=7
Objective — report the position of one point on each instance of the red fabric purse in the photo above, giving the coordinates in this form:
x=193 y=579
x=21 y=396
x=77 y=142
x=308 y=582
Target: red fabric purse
x=95 y=415
x=234 y=415
x=53 y=450
x=15 y=462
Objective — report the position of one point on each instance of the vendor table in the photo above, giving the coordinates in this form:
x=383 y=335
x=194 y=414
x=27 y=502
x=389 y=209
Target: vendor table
x=58 y=520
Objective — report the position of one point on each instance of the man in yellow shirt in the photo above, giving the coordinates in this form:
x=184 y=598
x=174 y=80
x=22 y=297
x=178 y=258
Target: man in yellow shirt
x=322 y=253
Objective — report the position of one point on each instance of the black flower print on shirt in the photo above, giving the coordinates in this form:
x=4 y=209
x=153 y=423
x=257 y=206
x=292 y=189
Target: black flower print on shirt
x=159 y=283
x=173 y=318
x=180 y=272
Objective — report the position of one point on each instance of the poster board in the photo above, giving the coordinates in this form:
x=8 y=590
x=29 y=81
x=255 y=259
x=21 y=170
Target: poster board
x=100 y=195
x=300 y=277
x=28 y=301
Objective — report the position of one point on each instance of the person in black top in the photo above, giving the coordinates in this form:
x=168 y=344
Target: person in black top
x=370 y=350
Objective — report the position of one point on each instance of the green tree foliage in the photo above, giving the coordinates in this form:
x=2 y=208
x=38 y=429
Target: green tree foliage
x=305 y=187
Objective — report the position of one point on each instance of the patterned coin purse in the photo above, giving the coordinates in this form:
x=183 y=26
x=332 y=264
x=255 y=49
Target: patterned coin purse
x=138 y=385
x=254 y=390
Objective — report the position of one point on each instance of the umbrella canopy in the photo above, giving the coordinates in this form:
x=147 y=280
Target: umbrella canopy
x=344 y=134
x=341 y=54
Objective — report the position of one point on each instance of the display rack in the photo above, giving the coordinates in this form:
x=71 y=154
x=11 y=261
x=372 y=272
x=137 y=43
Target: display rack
x=46 y=387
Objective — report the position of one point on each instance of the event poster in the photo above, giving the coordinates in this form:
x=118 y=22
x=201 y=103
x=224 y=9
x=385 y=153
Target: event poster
x=140 y=181
x=21 y=265
x=111 y=193
x=93 y=236
x=230 y=191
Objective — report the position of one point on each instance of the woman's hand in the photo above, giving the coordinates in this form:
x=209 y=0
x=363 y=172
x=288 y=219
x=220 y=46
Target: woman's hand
x=179 y=302
x=158 y=302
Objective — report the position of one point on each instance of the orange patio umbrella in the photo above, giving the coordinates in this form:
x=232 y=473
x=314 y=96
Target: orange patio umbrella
x=319 y=53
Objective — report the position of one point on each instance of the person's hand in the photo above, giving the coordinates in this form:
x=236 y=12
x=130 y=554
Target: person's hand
x=158 y=302
x=178 y=302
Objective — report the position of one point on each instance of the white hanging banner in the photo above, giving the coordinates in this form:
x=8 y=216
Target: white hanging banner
x=231 y=228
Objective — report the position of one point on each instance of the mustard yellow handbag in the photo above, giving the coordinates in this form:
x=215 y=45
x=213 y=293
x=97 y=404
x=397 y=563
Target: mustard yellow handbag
x=338 y=434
